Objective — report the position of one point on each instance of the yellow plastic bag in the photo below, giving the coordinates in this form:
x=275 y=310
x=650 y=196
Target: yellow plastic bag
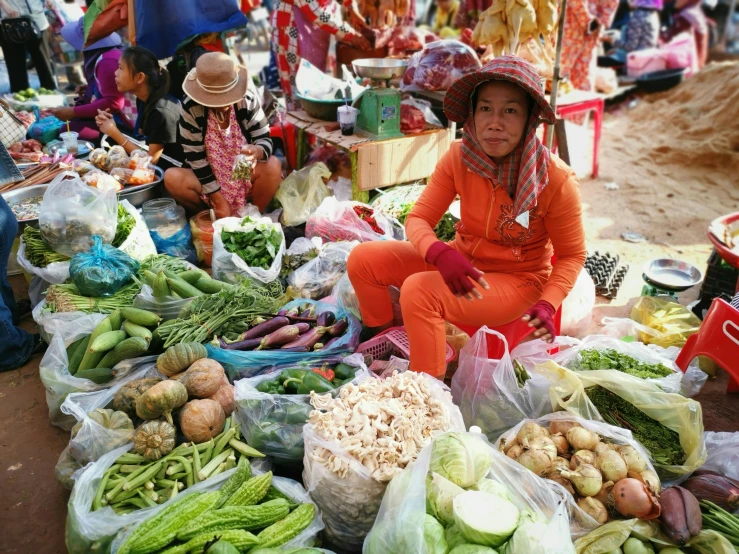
x=302 y=192
x=673 y=322
x=613 y=534
x=682 y=415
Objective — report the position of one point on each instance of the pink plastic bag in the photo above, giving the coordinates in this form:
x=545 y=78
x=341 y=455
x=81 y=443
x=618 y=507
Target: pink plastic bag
x=645 y=61
x=438 y=65
x=681 y=52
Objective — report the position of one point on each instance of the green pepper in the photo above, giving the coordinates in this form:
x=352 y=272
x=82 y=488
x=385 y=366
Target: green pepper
x=314 y=382
x=297 y=413
x=271 y=387
x=292 y=379
x=344 y=372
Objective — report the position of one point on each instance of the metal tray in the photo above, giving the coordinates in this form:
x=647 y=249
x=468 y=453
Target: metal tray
x=14 y=196
x=672 y=275
x=380 y=69
x=139 y=194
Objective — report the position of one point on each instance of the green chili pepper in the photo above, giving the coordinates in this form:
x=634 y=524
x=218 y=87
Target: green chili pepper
x=292 y=379
x=344 y=372
x=269 y=387
x=314 y=382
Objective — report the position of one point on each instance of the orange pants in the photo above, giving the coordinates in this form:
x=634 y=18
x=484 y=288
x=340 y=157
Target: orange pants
x=426 y=301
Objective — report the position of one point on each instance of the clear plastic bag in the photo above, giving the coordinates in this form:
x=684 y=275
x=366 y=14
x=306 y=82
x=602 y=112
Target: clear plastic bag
x=577 y=308
x=231 y=267
x=609 y=538
x=72 y=212
x=82 y=166
x=487 y=390
x=341 y=221
x=425 y=107
x=302 y=192
x=178 y=245
x=104 y=531
x=680 y=414
x=240 y=365
x=139 y=159
x=673 y=322
x=51 y=323
x=438 y=65
x=399 y=527
x=101 y=180
x=345 y=296
x=351 y=504
x=139 y=244
x=55 y=273
x=99 y=157
x=167 y=308
x=273 y=423
x=118 y=158
x=317 y=278
x=722 y=451
x=301 y=251
x=103 y=270
x=242 y=168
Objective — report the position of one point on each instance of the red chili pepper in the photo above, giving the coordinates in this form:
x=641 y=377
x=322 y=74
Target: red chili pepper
x=324 y=372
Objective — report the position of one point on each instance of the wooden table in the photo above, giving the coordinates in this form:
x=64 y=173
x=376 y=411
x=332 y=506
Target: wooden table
x=377 y=164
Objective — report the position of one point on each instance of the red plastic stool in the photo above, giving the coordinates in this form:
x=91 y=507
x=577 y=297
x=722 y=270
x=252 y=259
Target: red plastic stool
x=718 y=339
x=288 y=135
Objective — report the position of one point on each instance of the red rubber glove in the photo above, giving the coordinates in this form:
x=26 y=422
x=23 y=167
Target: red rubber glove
x=457 y=272
x=541 y=316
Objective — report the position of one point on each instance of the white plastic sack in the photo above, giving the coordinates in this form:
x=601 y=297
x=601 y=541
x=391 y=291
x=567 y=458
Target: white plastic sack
x=167 y=308
x=577 y=308
x=52 y=323
x=350 y=504
x=580 y=522
x=337 y=221
x=72 y=212
x=399 y=526
x=139 y=244
x=104 y=531
x=723 y=453
x=230 y=267
x=316 y=279
x=487 y=390
x=345 y=296
x=55 y=273
x=273 y=423
x=302 y=192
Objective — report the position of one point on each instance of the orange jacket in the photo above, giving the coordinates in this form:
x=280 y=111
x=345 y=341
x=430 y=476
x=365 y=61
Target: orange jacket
x=488 y=234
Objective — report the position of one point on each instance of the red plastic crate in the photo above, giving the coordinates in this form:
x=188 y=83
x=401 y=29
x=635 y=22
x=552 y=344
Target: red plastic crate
x=392 y=342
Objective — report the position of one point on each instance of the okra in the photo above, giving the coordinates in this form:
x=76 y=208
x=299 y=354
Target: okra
x=213 y=464
x=123 y=495
x=149 y=486
x=220 y=469
x=195 y=464
x=129 y=468
x=176 y=488
x=130 y=458
x=143 y=477
x=168 y=483
x=207 y=453
x=150 y=497
x=245 y=449
x=97 y=501
x=223 y=441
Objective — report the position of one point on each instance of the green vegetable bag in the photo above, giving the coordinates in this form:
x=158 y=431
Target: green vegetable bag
x=679 y=414
x=613 y=534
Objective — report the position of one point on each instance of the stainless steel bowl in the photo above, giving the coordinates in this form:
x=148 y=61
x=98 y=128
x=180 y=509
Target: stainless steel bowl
x=671 y=275
x=380 y=69
x=141 y=193
x=21 y=194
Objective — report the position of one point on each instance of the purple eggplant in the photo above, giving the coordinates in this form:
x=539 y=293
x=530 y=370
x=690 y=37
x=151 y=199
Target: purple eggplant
x=249 y=344
x=330 y=343
x=325 y=319
x=308 y=339
x=283 y=311
x=265 y=328
x=295 y=349
x=303 y=327
x=310 y=311
x=282 y=336
x=338 y=328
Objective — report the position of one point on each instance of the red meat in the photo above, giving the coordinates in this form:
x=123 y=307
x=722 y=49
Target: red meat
x=439 y=64
x=412 y=120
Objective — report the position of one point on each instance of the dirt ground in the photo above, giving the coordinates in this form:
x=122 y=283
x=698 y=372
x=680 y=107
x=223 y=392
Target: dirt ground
x=673 y=219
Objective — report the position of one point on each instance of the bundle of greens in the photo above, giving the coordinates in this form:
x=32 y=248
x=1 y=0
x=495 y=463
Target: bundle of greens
x=126 y=223
x=444 y=230
x=661 y=442
x=38 y=252
x=592 y=359
x=164 y=262
x=258 y=246
x=226 y=313
x=67 y=298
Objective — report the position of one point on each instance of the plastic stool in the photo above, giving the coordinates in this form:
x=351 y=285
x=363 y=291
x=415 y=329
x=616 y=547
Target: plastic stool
x=393 y=342
x=287 y=134
x=718 y=339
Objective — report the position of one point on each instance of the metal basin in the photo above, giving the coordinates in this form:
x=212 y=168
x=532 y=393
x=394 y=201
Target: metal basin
x=671 y=275
x=21 y=194
x=141 y=193
x=380 y=69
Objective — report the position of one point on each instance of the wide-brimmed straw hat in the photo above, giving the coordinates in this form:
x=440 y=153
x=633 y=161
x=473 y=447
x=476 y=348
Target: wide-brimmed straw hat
x=216 y=81
x=457 y=102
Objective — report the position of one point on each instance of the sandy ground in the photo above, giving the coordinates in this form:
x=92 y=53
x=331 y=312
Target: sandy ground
x=670 y=204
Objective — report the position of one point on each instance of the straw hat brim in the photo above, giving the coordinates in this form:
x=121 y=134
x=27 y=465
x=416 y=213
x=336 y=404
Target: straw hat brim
x=210 y=100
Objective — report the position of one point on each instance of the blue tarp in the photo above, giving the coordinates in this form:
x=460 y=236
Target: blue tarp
x=161 y=25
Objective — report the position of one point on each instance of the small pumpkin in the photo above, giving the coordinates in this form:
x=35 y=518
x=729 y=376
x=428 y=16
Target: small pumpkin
x=110 y=419
x=203 y=378
x=179 y=357
x=161 y=399
x=201 y=420
x=225 y=396
x=126 y=397
x=154 y=439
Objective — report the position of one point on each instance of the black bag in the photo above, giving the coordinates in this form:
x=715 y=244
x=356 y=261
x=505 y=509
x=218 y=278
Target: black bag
x=20 y=30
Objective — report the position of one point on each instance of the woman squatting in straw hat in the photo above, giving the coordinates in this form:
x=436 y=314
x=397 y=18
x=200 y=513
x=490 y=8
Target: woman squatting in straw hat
x=220 y=119
x=520 y=204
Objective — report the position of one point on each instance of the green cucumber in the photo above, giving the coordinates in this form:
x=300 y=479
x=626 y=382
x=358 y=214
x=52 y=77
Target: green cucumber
x=98 y=375
x=107 y=341
x=210 y=286
x=160 y=289
x=75 y=352
x=183 y=288
x=125 y=350
x=134 y=330
x=192 y=275
x=92 y=359
x=116 y=319
x=141 y=317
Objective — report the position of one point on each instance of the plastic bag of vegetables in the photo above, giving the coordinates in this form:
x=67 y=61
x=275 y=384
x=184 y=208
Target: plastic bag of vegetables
x=103 y=530
x=345 y=296
x=103 y=270
x=669 y=426
x=348 y=464
x=490 y=393
x=316 y=279
x=635 y=536
x=167 y=308
x=242 y=364
x=247 y=248
x=461 y=491
x=302 y=192
x=335 y=221
x=273 y=423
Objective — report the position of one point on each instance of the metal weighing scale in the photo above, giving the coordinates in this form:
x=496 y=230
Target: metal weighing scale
x=664 y=278
x=379 y=106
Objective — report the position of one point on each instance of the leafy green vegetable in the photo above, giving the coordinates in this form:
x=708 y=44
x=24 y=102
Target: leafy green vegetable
x=462 y=458
x=492 y=487
x=440 y=493
x=258 y=247
x=485 y=519
x=433 y=534
x=444 y=230
x=592 y=359
x=126 y=223
x=661 y=442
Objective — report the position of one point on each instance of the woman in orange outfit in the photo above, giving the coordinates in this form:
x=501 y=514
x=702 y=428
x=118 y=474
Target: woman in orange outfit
x=519 y=204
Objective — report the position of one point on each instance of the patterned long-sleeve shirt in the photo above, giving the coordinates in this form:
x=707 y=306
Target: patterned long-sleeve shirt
x=193 y=123
x=315 y=12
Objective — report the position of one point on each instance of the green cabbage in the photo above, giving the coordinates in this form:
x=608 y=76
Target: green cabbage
x=484 y=518
x=531 y=536
x=472 y=549
x=440 y=493
x=453 y=537
x=462 y=458
x=433 y=534
x=491 y=486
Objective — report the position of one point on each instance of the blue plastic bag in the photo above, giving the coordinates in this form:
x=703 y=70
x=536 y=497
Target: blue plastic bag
x=179 y=245
x=44 y=130
x=103 y=270
x=239 y=365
